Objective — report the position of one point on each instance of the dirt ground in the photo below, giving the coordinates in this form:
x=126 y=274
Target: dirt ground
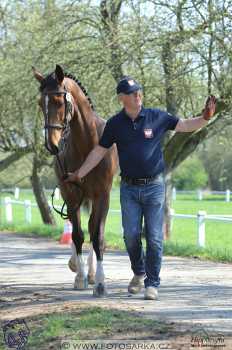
x=195 y=295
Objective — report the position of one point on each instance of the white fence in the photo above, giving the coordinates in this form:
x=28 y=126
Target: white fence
x=16 y=191
x=201 y=193
x=201 y=217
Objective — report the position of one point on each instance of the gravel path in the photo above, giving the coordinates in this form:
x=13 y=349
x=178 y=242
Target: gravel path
x=34 y=277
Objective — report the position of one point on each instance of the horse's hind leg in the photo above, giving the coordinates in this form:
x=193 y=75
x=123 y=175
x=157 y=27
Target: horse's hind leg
x=78 y=240
x=96 y=228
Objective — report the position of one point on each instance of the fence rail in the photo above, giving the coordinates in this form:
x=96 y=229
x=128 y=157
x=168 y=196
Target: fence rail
x=16 y=191
x=202 y=193
x=201 y=217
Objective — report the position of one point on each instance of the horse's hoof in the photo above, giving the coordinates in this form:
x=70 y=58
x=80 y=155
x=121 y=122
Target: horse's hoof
x=80 y=283
x=72 y=265
x=91 y=279
x=99 y=291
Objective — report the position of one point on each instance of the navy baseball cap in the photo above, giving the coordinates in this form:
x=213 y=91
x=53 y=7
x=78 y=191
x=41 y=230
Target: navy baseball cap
x=127 y=85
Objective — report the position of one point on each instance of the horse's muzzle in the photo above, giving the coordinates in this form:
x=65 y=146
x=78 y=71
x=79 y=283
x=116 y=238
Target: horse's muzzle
x=52 y=149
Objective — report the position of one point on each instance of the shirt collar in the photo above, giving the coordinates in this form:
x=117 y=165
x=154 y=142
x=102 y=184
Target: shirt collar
x=141 y=113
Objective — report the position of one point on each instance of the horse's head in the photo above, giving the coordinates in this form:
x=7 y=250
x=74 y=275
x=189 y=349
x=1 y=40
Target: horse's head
x=57 y=105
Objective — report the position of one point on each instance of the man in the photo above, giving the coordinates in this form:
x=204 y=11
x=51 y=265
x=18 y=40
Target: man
x=138 y=132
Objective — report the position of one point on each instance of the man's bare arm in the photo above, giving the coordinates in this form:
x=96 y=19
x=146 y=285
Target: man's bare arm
x=192 y=124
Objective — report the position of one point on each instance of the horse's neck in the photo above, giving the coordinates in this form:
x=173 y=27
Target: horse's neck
x=83 y=128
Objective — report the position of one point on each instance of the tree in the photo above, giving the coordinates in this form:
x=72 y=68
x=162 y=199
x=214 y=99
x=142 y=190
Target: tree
x=190 y=175
x=18 y=111
x=217 y=159
x=179 y=50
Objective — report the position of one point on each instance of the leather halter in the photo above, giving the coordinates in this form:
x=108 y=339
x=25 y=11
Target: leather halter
x=68 y=110
x=68 y=113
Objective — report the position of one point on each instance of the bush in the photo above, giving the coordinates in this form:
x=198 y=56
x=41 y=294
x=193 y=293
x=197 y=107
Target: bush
x=190 y=175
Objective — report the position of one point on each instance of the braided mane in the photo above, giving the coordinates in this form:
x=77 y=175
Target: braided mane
x=68 y=75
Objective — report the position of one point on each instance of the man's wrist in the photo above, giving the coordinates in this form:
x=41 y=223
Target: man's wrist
x=205 y=118
x=78 y=175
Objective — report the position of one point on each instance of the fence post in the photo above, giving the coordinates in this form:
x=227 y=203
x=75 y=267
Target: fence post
x=172 y=212
x=57 y=193
x=227 y=195
x=201 y=228
x=174 y=194
x=27 y=205
x=16 y=193
x=8 y=206
x=199 y=193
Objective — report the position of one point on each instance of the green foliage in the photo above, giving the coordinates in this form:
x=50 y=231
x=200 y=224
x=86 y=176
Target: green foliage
x=217 y=159
x=190 y=175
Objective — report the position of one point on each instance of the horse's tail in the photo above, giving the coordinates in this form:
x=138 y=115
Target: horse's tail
x=86 y=205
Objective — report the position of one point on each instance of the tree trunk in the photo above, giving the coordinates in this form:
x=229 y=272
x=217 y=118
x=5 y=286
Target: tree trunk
x=110 y=11
x=168 y=61
x=41 y=199
x=13 y=157
x=168 y=58
x=167 y=210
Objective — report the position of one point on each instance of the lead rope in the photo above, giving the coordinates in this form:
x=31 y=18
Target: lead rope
x=61 y=212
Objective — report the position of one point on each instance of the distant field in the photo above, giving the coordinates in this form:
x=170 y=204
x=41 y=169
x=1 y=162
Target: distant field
x=184 y=234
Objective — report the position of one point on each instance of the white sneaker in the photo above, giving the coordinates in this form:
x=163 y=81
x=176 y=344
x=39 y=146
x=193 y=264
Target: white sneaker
x=136 y=284
x=151 y=293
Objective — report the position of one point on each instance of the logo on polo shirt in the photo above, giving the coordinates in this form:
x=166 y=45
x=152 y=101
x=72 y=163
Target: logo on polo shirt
x=131 y=82
x=148 y=133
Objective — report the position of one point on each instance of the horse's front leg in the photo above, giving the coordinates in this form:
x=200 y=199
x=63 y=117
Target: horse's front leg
x=78 y=240
x=91 y=261
x=96 y=228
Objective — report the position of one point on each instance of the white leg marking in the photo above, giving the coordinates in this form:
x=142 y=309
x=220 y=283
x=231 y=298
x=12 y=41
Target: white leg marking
x=91 y=261
x=100 y=277
x=80 y=265
x=72 y=260
x=80 y=279
x=74 y=252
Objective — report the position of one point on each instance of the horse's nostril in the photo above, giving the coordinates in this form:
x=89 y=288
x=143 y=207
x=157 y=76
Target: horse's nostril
x=55 y=149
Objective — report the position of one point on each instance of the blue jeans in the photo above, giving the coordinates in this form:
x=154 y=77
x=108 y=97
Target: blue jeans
x=138 y=202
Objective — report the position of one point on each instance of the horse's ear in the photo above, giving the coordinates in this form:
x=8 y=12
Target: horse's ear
x=59 y=74
x=38 y=76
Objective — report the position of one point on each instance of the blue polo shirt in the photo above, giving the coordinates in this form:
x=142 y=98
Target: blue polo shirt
x=139 y=141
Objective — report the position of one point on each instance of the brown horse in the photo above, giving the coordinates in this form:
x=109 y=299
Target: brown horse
x=68 y=111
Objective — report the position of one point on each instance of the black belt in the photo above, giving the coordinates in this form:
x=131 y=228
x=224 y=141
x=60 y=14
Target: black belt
x=140 y=181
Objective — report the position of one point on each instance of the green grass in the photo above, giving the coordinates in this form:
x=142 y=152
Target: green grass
x=218 y=234
x=184 y=234
x=94 y=323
